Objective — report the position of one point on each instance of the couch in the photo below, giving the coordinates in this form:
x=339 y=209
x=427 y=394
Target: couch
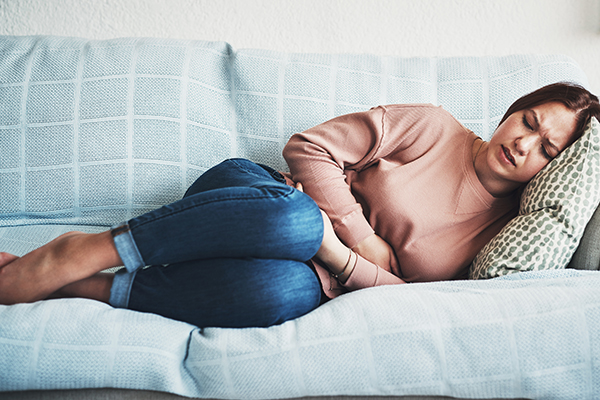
x=95 y=132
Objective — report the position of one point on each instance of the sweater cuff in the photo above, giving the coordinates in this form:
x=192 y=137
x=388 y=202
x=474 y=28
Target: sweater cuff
x=353 y=229
x=366 y=274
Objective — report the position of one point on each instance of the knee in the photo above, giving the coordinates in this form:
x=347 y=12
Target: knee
x=305 y=222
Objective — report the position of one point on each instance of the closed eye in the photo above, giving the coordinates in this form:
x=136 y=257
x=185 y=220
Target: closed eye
x=526 y=123
x=545 y=153
x=542 y=148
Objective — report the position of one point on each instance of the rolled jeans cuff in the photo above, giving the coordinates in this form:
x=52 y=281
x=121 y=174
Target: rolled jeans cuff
x=126 y=247
x=121 y=288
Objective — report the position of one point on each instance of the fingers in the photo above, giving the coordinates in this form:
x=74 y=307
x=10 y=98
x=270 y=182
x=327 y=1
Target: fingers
x=300 y=187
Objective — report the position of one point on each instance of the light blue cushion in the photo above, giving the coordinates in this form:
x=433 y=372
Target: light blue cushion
x=96 y=132
x=534 y=335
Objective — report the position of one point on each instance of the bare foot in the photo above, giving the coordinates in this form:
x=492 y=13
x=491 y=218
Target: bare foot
x=6 y=258
x=95 y=287
x=69 y=258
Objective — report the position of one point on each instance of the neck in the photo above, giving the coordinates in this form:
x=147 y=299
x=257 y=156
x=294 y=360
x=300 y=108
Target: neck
x=494 y=186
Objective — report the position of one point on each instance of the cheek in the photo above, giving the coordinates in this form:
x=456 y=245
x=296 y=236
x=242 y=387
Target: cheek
x=534 y=167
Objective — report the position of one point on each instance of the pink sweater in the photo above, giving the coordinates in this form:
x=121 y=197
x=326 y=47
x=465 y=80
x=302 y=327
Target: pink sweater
x=406 y=173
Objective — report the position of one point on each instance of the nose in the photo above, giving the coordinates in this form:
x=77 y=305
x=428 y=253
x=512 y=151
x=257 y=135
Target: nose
x=525 y=143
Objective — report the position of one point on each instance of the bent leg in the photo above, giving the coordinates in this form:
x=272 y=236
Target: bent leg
x=66 y=259
x=234 y=172
x=225 y=293
x=253 y=216
x=265 y=220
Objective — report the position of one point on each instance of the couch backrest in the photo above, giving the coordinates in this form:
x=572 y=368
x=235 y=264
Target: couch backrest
x=96 y=132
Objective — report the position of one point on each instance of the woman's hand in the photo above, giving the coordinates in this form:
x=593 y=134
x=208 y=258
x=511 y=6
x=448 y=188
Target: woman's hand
x=379 y=252
x=333 y=253
x=338 y=258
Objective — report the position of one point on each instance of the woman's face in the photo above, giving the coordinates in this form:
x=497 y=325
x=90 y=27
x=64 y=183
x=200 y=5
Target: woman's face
x=529 y=139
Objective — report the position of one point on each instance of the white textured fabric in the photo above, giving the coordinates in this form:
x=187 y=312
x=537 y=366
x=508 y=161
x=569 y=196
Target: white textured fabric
x=532 y=335
x=95 y=132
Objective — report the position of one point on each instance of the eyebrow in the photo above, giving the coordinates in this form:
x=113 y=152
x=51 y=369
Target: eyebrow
x=537 y=124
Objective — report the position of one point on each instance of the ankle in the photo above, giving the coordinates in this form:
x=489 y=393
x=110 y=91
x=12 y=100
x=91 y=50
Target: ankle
x=96 y=287
x=108 y=250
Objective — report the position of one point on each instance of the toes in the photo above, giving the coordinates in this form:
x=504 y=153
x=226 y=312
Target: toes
x=6 y=258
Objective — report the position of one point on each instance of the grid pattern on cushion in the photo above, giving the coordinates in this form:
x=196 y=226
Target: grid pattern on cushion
x=532 y=335
x=96 y=132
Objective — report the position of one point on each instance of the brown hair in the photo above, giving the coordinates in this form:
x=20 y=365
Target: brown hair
x=575 y=97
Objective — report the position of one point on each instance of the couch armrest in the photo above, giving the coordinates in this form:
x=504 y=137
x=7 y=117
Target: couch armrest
x=587 y=255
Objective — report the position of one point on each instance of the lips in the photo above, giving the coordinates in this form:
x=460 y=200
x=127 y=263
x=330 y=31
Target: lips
x=509 y=156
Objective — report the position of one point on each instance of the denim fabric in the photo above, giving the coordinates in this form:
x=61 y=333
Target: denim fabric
x=231 y=253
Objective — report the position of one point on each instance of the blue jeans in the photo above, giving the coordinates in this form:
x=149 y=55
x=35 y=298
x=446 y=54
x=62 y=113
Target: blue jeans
x=231 y=253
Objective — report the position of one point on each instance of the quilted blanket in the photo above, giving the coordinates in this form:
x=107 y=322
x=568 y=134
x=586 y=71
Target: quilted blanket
x=533 y=335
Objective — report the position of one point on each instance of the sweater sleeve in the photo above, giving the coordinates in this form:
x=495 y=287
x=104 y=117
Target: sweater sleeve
x=322 y=157
x=366 y=274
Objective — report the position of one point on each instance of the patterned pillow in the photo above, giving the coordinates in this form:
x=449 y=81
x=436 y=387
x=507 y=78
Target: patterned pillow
x=555 y=208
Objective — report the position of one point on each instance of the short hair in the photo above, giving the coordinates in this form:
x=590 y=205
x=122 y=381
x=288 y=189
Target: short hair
x=575 y=97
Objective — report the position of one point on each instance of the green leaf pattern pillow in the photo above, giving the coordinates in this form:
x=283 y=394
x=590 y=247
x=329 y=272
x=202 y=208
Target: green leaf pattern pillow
x=556 y=205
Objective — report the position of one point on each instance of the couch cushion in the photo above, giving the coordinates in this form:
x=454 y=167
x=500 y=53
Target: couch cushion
x=96 y=132
x=555 y=208
x=531 y=335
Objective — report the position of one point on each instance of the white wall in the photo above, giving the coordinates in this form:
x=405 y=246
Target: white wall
x=385 y=27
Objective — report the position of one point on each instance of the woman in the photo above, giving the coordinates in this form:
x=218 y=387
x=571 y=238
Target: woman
x=406 y=194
